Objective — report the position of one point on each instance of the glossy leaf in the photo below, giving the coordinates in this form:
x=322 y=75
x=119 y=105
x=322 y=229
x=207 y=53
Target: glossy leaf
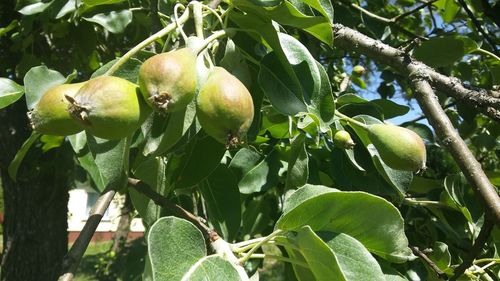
x=37 y=81
x=298 y=163
x=114 y=21
x=372 y=220
x=444 y=51
x=10 y=92
x=129 y=70
x=262 y=176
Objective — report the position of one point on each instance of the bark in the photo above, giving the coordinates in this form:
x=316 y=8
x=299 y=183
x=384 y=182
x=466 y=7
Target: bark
x=121 y=234
x=35 y=227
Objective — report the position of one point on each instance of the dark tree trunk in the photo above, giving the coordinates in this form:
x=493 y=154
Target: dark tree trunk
x=35 y=226
x=35 y=222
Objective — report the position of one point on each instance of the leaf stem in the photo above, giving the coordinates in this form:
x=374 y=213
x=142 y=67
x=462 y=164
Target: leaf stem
x=169 y=28
x=259 y=244
x=488 y=53
x=280 y=258
x=216 y=35
x=349 y=119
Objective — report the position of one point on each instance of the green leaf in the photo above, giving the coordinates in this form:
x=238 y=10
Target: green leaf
x=280 y=88
x=197 y=162
x=114 y=21
x=174 y=246
x=10 y=92
x=33 y=8
x=234 y=62
x=129 y=70
x=37 y=81
x=390 y=109
x=50 y=142
x=444 y=51
x=298 y=163
x=350 y=99
x=266 y=3
x=4 y=30
x=323 y=6
x=164 y=132
x=354 y=260
x=222 y=199
x=318 y=27
x=448 y=9
x=372 y=220
x=262 y=176
x=21 y=153
x=322 y=101
x=100 y=2
x=257 y=213
x=211 y=268
x=440 y=255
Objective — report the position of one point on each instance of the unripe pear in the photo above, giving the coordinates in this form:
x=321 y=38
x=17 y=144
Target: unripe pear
x=168 y=80
x=50 y=115
x=342 y=139
x=109 y=107
x=399 y=148
x=224 y=107
x=358 y=70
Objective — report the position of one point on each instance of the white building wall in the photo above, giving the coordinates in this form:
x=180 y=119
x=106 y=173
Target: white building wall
x=79 y=205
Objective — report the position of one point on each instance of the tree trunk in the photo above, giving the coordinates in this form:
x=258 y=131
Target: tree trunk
x=121 y=234
x=35 y=226
x=35 y=223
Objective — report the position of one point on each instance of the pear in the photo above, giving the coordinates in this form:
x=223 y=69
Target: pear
x=399 y=148
x=224 y=107
x=50 y=115
x=168 y=80
x=109 y=107
x=342 y=139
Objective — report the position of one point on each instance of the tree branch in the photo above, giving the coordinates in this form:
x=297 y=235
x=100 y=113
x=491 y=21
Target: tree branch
x=493 y=12
x=475 y=249
x=420 y=74
x=74 y=256
x=410 y=12
x=416 y=251
x=173 y=208
x=478 y=26
x=480 y=99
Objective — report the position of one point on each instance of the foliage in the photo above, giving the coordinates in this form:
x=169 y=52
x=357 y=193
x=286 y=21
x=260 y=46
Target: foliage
x=334 y=213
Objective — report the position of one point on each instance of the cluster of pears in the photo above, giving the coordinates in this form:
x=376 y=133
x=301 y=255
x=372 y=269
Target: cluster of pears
x=110 y=107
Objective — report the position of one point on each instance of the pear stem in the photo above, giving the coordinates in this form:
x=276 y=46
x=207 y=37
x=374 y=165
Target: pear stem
x=198 y=18
x=169 y=28
x=216 y=35
x=349 y=119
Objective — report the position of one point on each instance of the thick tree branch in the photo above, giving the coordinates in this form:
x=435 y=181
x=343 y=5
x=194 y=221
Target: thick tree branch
x=74 y=256
x=416 y=251
x=480 y=99
x=420 y=74
x=475 y=250
x=173 y=208
x=450 y=138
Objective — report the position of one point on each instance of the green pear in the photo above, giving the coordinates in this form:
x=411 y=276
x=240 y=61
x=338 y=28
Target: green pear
x=168 y=80
x=224 y=107
x=399 y=148
x=109 y=107
x=50 y=115
x=342 y=139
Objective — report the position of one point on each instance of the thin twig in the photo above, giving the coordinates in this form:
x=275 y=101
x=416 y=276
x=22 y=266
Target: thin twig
x=410 y=12
x=479 y=27
x=173 y=208
x=481 y=239
x=416 y=251
x=74 y=256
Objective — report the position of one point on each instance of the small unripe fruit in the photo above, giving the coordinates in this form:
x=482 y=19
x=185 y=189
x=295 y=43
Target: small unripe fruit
x=109 y=107
x=399 y=148
x=168 y=80
x=50 y=115
x=224 y=107
x=358 y=70
x=342 y=139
